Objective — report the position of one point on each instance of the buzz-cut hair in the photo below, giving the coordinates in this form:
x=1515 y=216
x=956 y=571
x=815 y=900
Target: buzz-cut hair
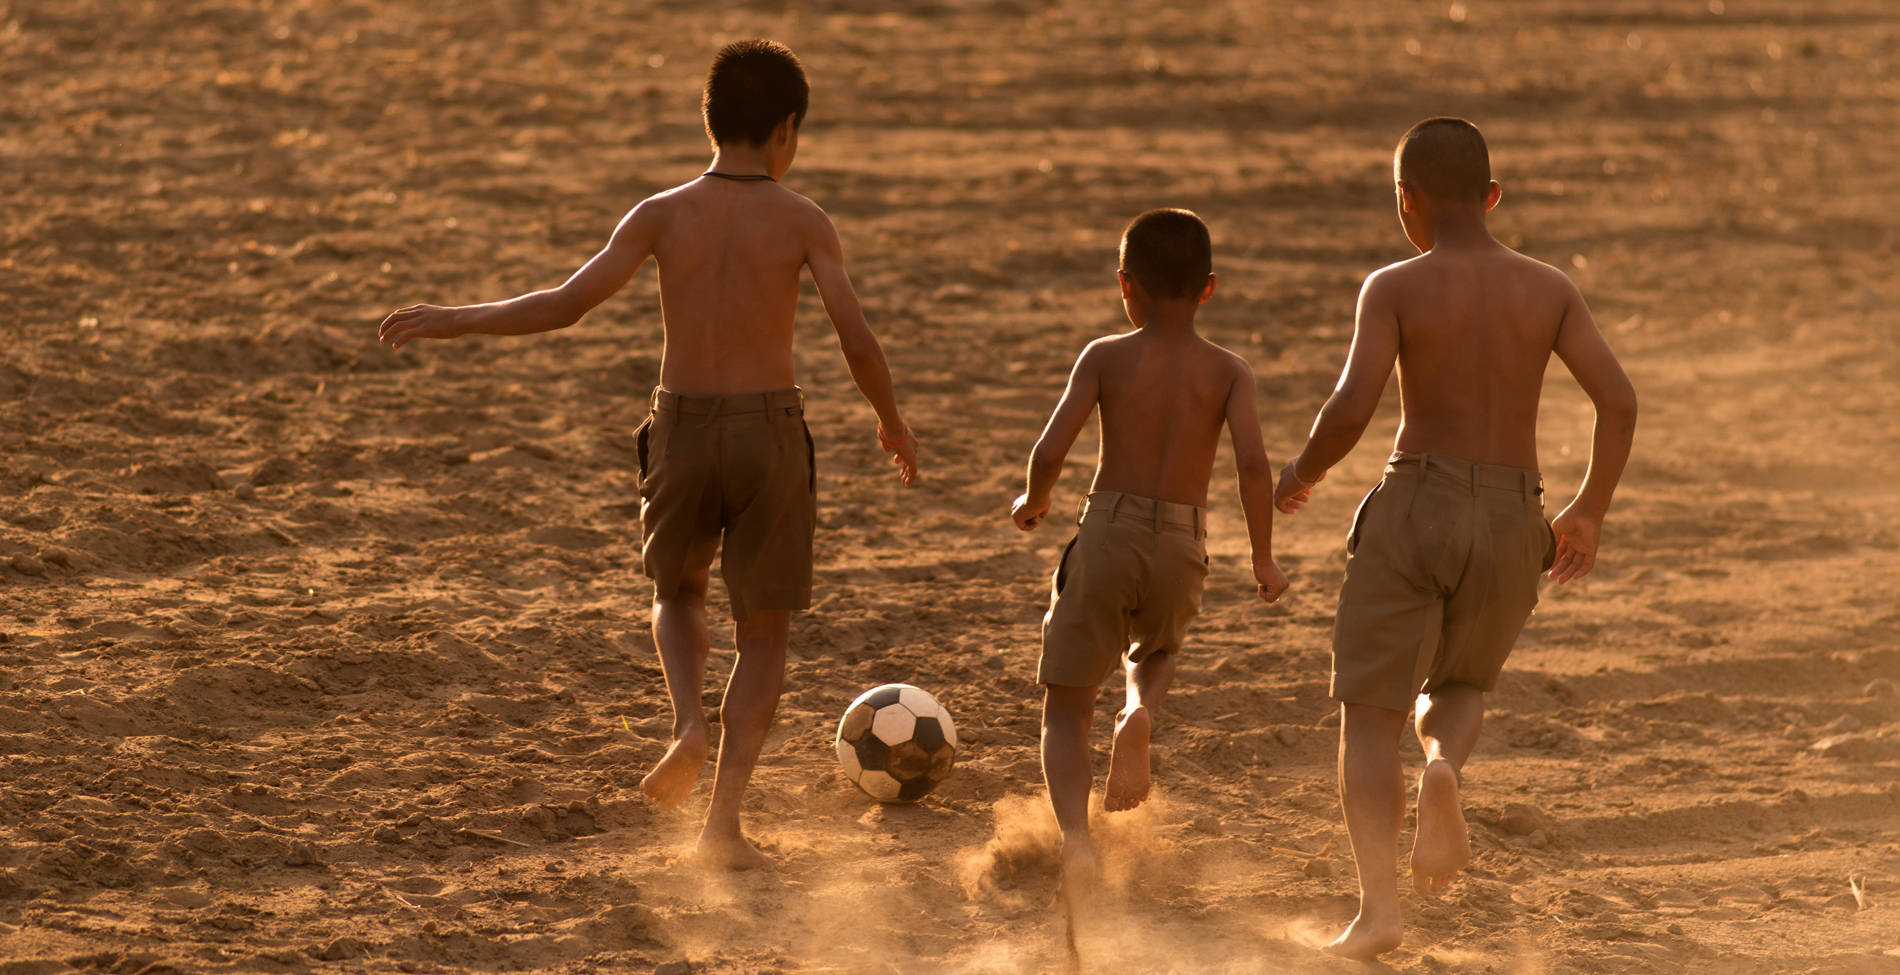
x=752 y=86
x=1446 y=159
x=1168 y=252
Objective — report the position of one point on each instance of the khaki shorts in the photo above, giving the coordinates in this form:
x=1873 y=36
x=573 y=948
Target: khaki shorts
x=1129 y=582
x=1441 y=574
x=740 y=466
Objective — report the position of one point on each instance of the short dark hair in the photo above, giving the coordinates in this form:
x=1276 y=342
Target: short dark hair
x=750 y=89
x=1168 y=253
x=1445 y=157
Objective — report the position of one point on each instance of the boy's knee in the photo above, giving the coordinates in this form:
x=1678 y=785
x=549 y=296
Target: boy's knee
x=690 y=592
x=1064 y=704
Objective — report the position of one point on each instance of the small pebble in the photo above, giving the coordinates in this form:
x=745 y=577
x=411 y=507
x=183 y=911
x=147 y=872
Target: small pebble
x=1880 y=689
x=27 y=565
x=245 y=491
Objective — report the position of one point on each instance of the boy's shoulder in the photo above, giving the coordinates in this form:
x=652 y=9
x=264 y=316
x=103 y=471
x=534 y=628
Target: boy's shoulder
x=1395 y=278
x=1210 y=362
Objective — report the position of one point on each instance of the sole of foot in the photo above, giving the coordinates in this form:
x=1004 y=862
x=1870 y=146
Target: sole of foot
x=671 y=781
x=1442 y=845
x=1128 y=776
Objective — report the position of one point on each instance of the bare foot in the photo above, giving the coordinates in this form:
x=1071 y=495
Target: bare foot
x=1442 y=846
x=1128 y=778
x=1367 y=938
x=671 y=781
x=730 y=851
x=1081 y=871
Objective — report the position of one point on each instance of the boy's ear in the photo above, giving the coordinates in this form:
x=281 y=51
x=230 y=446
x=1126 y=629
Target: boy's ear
x=1128 y=285
x=1407 y=203
x=1208 y=292
x=1492 y=195
x=786 y=128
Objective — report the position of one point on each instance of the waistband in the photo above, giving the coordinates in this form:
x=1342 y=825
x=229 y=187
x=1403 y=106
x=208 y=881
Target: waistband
x=1470 y=473
x=1156 y=514
x=790 y=401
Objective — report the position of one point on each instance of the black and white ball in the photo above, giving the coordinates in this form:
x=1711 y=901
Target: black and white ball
x=896 y=742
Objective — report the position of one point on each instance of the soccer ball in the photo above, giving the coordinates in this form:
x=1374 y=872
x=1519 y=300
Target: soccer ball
x=896 y=742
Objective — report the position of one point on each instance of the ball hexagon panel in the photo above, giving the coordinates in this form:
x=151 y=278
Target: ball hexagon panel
x=848 y=757
x=918 y=702
x=949 y=727
x=880 y=785
x=893 y=724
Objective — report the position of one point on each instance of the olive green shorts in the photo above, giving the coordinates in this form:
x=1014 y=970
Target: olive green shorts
x=737 y=467
x=1129 y=582
x=1441 y=573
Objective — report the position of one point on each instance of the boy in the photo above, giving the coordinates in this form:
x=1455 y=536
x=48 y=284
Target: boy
x=1444 y=554
x=725 y=449
x=1131 y=579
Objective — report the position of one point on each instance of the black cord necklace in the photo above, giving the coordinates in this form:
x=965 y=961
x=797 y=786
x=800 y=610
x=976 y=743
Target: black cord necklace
x=741 y=177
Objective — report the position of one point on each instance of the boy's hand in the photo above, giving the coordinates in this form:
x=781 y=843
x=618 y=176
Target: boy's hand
x=1270 y=580
x=1576 y=544
x=904 y=454
x=1292 y=493
x=1028 y=515
x=405 y=325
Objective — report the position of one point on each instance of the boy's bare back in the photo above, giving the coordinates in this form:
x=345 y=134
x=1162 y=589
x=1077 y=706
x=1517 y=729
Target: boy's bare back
x=1474 y=329
x=1164 y=399
x=730 y=255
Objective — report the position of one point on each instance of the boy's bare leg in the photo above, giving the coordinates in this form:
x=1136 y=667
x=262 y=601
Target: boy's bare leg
x=1372 y=790
x=1067 y=713
x=1128 y=777
x=745 y=715
x=1448 y=722
x=679 y=632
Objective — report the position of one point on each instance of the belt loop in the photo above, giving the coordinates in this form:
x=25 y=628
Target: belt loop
x=1154 y=508
x=1424 y=466
x=1200 y=523
x=1473 y=470
x=1114 y=505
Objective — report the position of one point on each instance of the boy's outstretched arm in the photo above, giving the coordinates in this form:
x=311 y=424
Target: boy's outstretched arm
x=1256 y=480
x=537 y=311
x=1065 y=424
x=862 y=353
x=1375 y=347
x=1580 y=345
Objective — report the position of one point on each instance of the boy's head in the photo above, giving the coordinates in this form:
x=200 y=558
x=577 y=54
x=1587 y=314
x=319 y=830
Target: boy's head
x=752 y=88
x=1445 y=159
x=1169 y=255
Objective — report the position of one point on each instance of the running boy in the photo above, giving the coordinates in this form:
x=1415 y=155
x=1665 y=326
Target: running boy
x=725 y=449
x=1131 y=579
x=1445 y=552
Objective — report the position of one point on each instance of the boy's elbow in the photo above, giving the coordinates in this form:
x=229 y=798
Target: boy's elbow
x=1251 y=469
x=1044 y=460
x=1620 y=406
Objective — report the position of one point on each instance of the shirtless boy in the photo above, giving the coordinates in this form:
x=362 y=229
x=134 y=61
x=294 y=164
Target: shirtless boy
x=1130 y=581
x=1445 y=552
x=725 y=449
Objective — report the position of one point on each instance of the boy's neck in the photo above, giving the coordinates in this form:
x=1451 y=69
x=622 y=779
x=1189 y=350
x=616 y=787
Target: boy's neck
x=741 y=159
x=1460 y=229
x=1170 y=318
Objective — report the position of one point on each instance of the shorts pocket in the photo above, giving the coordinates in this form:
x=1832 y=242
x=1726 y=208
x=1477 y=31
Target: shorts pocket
x=1359 y=518
x=1062 y=567
x=811 y=459
x=640 y=443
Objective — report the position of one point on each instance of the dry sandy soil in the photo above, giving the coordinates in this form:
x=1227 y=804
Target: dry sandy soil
x=322 y=658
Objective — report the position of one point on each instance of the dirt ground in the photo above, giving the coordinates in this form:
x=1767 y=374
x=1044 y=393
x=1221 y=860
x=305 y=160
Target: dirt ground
x=322 y=658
